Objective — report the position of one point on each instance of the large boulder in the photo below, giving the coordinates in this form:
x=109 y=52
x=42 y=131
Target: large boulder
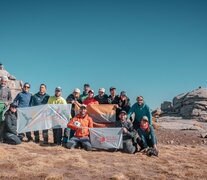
x=192 y=105
x=166 y=106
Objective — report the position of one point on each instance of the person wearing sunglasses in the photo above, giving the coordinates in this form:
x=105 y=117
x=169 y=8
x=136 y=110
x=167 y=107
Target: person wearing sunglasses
x=23 y=100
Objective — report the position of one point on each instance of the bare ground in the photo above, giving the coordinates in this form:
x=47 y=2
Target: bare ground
x=182 y=155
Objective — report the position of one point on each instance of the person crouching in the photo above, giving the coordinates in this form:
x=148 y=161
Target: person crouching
x=129 y=134
x=148 y=139
x=10 y=133
x=80 y=123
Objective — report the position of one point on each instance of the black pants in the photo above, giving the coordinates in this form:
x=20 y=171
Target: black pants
x=29 y=136
x=44 y=134
x=57 y=136
x=2 y=125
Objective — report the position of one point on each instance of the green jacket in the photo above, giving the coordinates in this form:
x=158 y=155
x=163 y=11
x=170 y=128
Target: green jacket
x=140 y=111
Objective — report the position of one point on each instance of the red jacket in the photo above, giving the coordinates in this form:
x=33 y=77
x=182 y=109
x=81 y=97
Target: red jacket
x=85 y=123
x=88 y=101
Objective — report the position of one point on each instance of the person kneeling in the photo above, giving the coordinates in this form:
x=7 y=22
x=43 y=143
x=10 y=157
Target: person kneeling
x=80 y=123
x=11 y=136
x=148 y=139
x=128 y=132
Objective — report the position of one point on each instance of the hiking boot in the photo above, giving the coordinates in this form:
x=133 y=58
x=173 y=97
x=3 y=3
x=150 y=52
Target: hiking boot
x=37 y=140
x=29 y=139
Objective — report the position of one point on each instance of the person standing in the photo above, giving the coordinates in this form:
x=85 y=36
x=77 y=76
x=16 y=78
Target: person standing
x=113 y=98
x=102 y=98
x=140 y=109
x=22 y=100
x=5 y=100
x=86 y=89
x=75 y=100
x=40 y=98
x=90 y=99
x=57 y=99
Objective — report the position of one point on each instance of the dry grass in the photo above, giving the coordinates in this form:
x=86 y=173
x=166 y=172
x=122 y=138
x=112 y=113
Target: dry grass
x=32 y=161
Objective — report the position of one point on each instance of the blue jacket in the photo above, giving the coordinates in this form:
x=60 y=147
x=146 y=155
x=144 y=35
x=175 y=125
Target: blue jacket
x=23 y=99
x=39 y=99
x=140 y=111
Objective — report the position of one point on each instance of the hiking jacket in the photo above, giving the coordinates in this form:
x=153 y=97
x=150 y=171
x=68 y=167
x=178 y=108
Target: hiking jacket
x=129 y=126
x=147 y=136
x=140 y=111
x=83 y=96
x=102 y=99
x=56 y=100
x=86 y=122
x=39 y=99
x=114 y=100
x=10 y=122
x=88 y=101
x=23 y=99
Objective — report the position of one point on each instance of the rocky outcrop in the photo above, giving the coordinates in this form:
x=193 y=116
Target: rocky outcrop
x=191 y=105
x=15 y=86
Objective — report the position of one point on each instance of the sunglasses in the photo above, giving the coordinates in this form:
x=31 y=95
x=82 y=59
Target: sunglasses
x=26 y=87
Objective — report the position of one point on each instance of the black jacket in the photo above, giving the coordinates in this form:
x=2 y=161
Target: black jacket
x=10 y=122
x=39 y=99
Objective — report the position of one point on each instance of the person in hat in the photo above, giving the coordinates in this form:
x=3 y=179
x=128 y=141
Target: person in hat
x=3 y=72
x=23 y=99
x=113 y=98
x=129 y=134
x=5 y=100
x=102 y=98
x=37 y=99
x=90 y=99
x=140 y=109
x=10 y=132
x=57 y=99
x=123 y=104
x=86 y=89
x=80 y=124
x=5 y=92
x=75 y=100
x=147 y=137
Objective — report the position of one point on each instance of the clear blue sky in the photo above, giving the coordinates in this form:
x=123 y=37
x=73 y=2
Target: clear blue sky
x=153 y=48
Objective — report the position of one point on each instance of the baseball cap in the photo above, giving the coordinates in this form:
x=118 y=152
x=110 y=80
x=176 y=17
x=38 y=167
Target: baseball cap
x=76 y=90
x=145 y=118
x=102 y=90
x=14 y=104
x=124 y=112
x=123 y=93
x=58 y=88
x=83 y=106
x=91 y=91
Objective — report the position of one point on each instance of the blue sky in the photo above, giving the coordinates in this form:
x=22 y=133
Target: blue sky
x=157 y=49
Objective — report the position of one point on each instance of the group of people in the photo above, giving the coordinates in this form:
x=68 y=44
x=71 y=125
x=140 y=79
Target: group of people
x=138 y=133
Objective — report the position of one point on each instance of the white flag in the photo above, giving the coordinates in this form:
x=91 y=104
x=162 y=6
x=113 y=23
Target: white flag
x=43 y=117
